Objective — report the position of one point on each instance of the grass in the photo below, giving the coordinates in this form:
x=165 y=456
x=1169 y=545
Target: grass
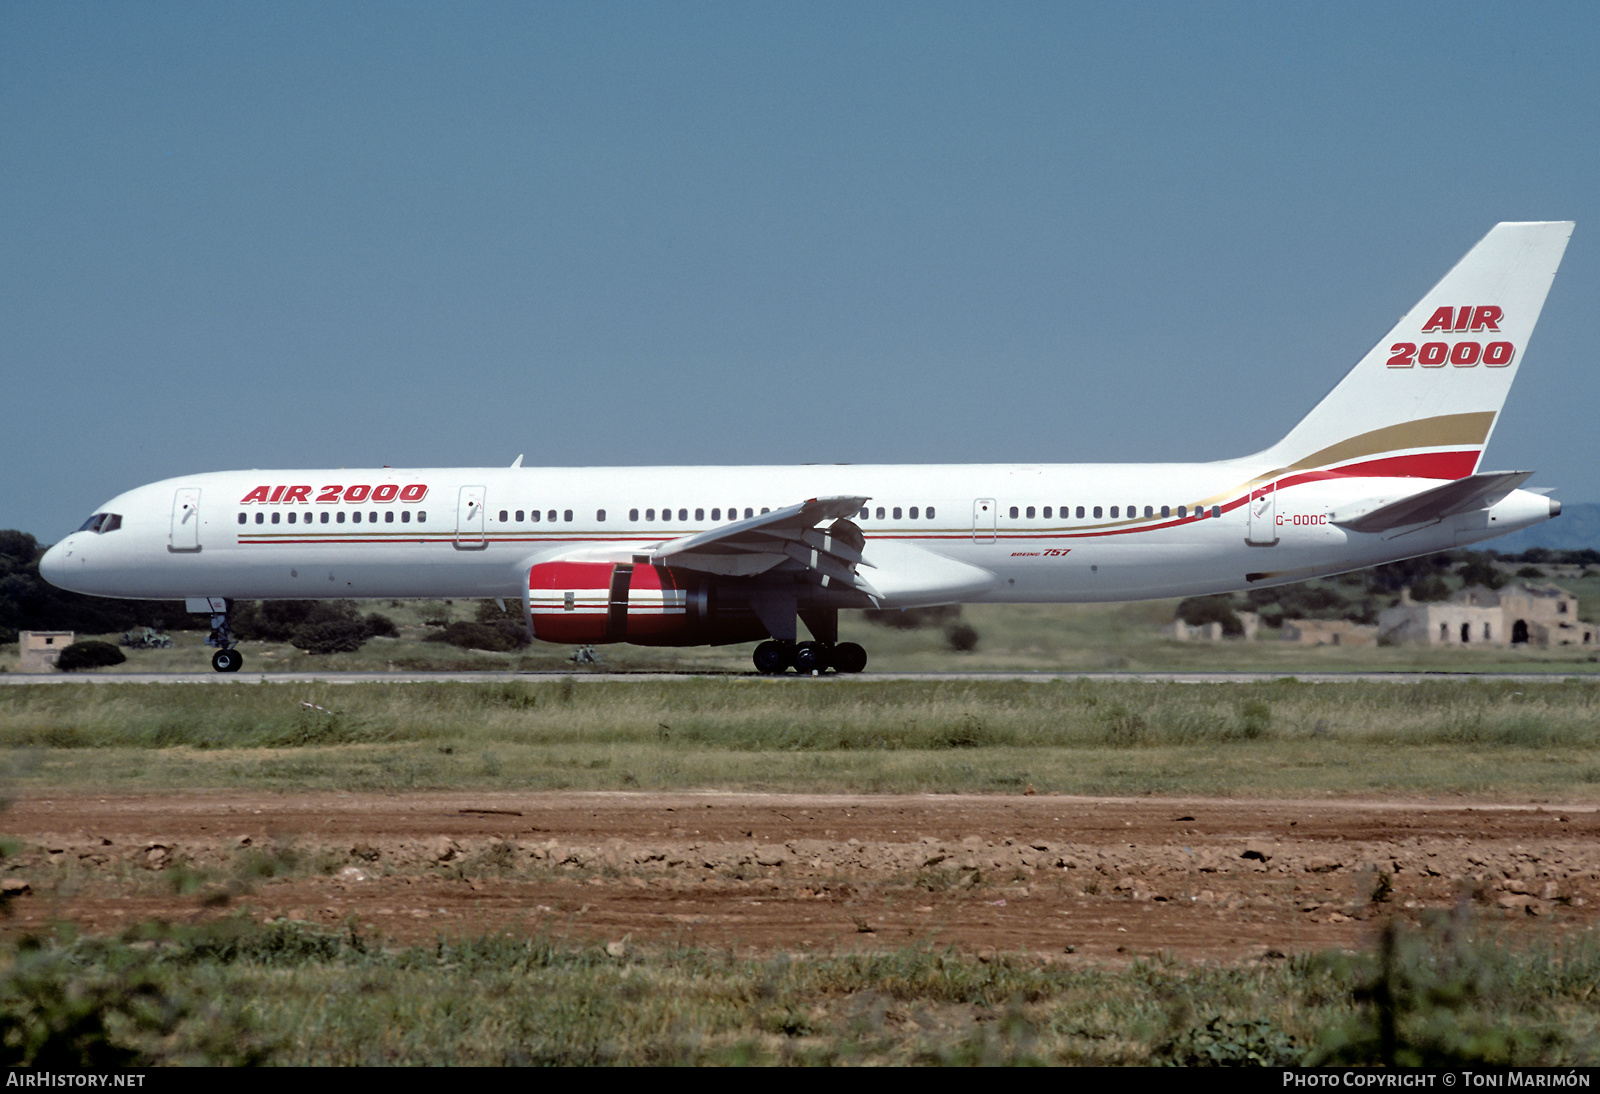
x=1282 y=737
x=283 y=993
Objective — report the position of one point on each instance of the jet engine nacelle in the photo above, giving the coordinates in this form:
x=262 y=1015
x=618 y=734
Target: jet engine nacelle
x=587 y=603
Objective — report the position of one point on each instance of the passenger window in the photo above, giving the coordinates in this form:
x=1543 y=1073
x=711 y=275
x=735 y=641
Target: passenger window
x=1046 y=512
x=1149 y=511
x=896 y=512
x=388 y=516
x=1080 y=512
x=1013 y=512
x=865 y=513
x=566 y=514
x=633 y=515
x=649 y=514
x=683 y=514
x=764 y=509
x=1183 y=511
x=552 y=515
x=291 y=516
x=372 y=517
x=422 y=516
x=913 y=512
x=1113 y=512
x=1030 y=512
x=261 y=518
x=716 y=514
x=339 y=517
x=519 y=516
x=405 y=517
x=1216 y=510
x=748 y=512
x=241 y=520
x=880 y=512
x=504 y=516
x=275 y=517
x=1097 y=512
x=930 y=512
x=600 y=515
x=699 y=515
x=355 y=518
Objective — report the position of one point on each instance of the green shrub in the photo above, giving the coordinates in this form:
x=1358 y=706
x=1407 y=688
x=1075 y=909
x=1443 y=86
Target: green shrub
x=336 y=636
x=1200 y=610
x=962 y=638
x=1435 y=1000
x=90 y=654
x=912 y=619
x=494 y=637
x=1225 y=1043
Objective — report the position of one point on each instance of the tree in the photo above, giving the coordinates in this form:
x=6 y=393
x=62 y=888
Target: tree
x=30 y=603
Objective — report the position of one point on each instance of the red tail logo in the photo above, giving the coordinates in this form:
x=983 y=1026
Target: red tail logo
x=1481 y=317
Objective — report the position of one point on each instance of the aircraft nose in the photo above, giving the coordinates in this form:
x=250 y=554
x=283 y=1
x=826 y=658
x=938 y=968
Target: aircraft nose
x=58 y=562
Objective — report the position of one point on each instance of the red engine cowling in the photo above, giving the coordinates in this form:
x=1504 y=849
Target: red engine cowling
x=588 y=602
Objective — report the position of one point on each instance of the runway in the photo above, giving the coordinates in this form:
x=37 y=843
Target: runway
x=18 y=679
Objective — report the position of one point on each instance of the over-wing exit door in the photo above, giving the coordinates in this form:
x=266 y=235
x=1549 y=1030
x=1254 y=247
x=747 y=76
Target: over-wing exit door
x=983 y=520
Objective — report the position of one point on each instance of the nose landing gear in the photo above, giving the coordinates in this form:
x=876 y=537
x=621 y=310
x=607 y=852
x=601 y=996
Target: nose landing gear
x=226 y=659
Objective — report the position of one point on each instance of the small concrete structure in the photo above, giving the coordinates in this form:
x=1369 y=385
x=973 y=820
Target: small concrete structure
x=1538 y=615
x=1329 y=632
x=1212 y=632
x=39 y=650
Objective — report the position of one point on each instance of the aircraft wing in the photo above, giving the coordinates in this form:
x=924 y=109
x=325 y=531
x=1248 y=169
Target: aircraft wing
x=791 y=535
x=1461 y=496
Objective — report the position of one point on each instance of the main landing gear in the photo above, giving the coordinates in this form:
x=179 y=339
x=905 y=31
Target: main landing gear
x=773 y=658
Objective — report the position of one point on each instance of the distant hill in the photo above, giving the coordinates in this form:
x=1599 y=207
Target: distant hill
x=1577 y=527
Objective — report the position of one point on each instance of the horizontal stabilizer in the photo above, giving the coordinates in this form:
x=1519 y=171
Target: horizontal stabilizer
x=1461 y=496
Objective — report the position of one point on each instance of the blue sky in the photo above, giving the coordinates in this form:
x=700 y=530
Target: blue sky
x=320 y=235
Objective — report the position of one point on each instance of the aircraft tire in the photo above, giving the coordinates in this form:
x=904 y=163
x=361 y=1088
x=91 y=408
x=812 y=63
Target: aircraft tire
x=849 y=657
x=227 y=660
x=812 y=657
x=773 y=658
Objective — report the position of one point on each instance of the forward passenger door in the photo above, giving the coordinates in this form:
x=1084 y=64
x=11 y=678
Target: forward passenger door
x=185 y=520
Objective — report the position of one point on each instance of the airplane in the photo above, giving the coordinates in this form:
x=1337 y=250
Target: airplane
x=1385 y=467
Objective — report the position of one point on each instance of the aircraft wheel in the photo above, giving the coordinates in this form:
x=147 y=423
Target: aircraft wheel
x=772 y=658
x=812 y=657
x=227 y=660
x=849 y=657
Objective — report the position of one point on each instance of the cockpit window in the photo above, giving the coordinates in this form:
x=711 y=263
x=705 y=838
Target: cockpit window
x=102 y=523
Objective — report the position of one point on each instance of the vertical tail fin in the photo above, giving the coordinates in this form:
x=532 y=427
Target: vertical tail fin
x=1424 y=401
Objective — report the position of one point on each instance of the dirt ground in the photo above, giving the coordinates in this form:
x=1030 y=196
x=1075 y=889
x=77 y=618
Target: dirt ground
x=1074 y=879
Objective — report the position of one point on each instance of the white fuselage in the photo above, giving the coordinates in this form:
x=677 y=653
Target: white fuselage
x=1009 y=533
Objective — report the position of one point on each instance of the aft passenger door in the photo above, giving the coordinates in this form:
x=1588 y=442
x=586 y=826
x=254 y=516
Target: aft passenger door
x=983 y=520
x=469 y=519
x=1263 y=516
x=185 y=520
